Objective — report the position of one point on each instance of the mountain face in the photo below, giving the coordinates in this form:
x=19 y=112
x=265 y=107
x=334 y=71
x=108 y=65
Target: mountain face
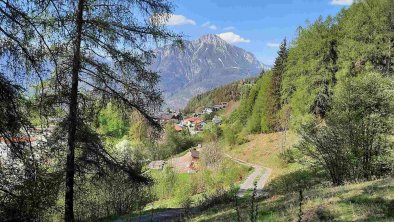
x=199 y=66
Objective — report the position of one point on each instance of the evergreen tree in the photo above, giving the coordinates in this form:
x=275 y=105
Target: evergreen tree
x=274 y=91
x=277 y=73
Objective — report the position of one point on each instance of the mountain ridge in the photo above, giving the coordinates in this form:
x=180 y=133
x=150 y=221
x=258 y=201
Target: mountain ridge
x=202 y=64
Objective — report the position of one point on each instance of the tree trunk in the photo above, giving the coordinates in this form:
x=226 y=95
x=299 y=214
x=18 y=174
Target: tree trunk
x=73 y=117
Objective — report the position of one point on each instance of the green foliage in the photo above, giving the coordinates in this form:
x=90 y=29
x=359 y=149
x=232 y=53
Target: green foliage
x=367 y=37
x=310 y=71
x=259 y=121
x=139 y=128
x=211 y=132
x=233 y=134
x=111 y=121
x=271 y=119
x=183 y=188
x=177 y=142
x=355 y=141
x=165 y=183
x=260 y=106
x=247 y=103
x=33 y=199
x=368 y=201
x=110 y=196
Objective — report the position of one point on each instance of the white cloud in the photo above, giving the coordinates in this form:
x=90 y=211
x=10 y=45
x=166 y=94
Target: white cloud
x=341 y=2
x=209 y=25
x=229 y=28
x=273 y=45
x=172 y=19
x=231 y=37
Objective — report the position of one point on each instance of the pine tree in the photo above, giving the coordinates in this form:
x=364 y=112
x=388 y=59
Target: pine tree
x=274 y=91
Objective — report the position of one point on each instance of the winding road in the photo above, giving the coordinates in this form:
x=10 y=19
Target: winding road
x=260 y=174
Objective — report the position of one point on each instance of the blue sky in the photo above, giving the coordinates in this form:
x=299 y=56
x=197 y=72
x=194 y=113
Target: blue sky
x=255 y=25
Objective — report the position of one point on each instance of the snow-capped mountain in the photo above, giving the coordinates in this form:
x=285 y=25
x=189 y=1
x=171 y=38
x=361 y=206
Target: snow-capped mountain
x=199 y=66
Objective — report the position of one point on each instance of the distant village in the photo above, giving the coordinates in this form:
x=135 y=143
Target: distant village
x=195 y=122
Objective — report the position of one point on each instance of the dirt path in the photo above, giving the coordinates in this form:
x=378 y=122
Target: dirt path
x=260 y=174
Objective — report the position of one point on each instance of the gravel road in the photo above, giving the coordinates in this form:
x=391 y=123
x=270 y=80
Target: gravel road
x=260 y=174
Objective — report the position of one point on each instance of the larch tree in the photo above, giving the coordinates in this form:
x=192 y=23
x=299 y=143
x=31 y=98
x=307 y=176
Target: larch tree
x=311 y=71
x=99 y=46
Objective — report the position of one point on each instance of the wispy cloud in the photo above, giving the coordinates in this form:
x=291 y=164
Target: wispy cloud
x=231 y=37
x=273 y=45
x=209 y=25
x=229 y=28
x=341 y=2
x=172 y=20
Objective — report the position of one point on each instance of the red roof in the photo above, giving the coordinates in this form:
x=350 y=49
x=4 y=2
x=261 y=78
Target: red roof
x=17 y=139
x=178 y=128
x=196 y=120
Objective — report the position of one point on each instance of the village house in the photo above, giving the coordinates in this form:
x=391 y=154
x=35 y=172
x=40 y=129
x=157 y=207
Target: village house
x=178 y=128
x=217 y=107
x=192 y=121
x=194 y=124
x=195 y=153
x=224 y=104
x=157 y=165
x=207 y=110
x=5 y=143
x=217 y=120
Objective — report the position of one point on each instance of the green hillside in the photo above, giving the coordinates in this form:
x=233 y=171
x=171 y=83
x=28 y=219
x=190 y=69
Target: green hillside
x=226 y=93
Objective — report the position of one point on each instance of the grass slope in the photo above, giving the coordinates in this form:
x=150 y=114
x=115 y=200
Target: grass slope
x=368 y=201
x=265 y=149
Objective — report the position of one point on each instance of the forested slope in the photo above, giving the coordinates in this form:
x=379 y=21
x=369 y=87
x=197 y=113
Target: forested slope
x=226 y=93
x=333 y=86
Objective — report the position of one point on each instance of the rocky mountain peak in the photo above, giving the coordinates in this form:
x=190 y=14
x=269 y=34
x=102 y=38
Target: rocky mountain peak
x=202 y=65
x=211 y=39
